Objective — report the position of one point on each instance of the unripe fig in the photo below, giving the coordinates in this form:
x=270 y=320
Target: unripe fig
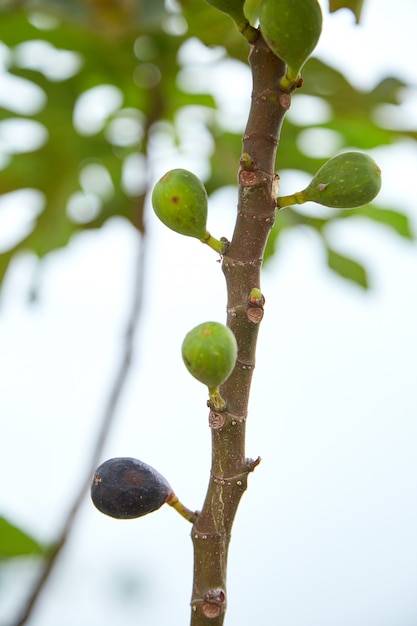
x=126 y=488
x=234 y=8
x=291 y=28
x=179 y=199
x=346 y=181
x=209 y=352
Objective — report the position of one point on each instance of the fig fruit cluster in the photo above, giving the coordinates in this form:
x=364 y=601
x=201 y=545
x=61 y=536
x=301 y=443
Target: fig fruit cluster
x=126 y=488
x=209 y=352
x=291 y=28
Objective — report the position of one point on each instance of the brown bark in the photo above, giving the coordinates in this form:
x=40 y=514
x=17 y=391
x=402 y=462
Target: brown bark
x=241 y=266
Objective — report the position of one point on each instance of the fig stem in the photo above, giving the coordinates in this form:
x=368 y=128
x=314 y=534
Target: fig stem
x=289 y=80
x=215 y=244
x=249 y=32
x=190 y=516
x=295 y=198
x=216 y=401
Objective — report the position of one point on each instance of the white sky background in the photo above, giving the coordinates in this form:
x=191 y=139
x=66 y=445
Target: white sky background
x=325 y=534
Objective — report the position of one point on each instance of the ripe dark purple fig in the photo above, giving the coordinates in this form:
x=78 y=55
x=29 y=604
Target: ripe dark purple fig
x=127 y=488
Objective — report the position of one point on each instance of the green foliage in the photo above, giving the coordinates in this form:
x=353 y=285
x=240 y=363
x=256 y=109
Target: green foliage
x=347 y=268
x=130 y=64
x=234 y=8
x=354 y=5
x=351 y=118
x=212 y=27
x=15 y=542
x=126 y=47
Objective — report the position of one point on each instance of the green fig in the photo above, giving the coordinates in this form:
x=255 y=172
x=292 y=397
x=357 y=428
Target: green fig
x=209 y=352
x=179 y=199
x=346 y=181
x=291 y=28
x=234 y=8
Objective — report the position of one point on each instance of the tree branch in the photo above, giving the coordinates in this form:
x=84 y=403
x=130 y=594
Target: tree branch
x=241 y=266
x=106 y=423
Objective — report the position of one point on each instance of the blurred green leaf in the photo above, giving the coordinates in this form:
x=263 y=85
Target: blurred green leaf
x=15 y=542
x=214 y=28
x=353 y=110
x=225 y=160
x=354 y=5
x=142 y=66
x=127 y=46
x=347 y=268
x=398 y=222
x=291 y=218
x=111 y=17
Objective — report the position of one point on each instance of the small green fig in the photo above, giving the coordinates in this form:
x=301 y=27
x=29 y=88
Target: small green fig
x=291 y=28
x=234 y=8
x=209 y=352
x=179 y=199
x=346 y=181
x=127 y=488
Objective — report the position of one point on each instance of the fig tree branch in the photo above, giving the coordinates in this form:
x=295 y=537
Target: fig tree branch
x=241 y=266
x=104 y=429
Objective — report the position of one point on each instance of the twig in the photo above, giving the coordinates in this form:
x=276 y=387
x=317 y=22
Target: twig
x=106 y=423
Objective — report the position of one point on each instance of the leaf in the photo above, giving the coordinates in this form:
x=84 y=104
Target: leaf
x=347 y=268
x=398 y=222
x=224 y=161
x=353 y=110
x=109 y=53
x=110 y=17
x=354 y=5
x=290 y=218
x=15 y=542
x=214 y=28
x=55 y=171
